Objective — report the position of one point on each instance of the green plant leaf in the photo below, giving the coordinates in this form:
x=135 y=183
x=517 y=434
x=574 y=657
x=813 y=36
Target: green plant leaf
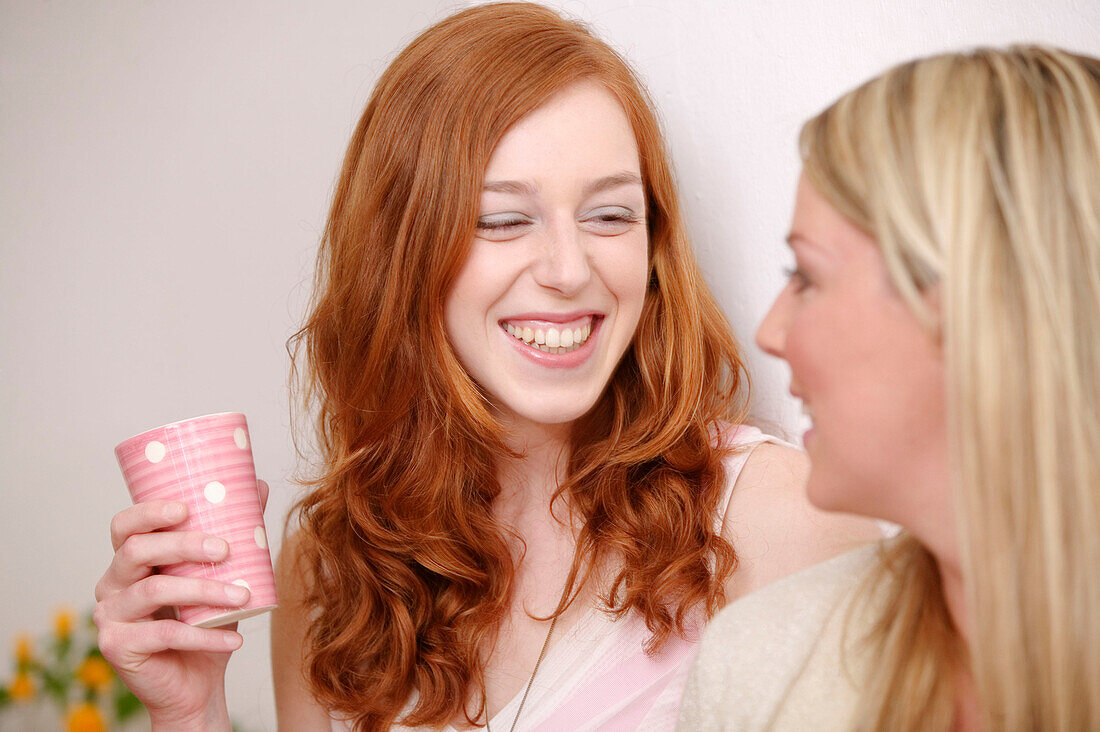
x=57 y=685
x=126 y=704
x=61 y=648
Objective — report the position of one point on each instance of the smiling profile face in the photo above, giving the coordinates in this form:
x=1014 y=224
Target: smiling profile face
x=869 y=373
x=552 y=289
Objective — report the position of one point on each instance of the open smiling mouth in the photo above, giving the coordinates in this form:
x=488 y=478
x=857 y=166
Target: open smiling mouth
x=553 y=339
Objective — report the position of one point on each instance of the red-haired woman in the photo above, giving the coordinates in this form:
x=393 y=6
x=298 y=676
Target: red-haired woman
x=534 y=486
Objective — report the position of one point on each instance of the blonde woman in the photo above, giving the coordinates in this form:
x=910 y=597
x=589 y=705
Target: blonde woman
x=942 y=325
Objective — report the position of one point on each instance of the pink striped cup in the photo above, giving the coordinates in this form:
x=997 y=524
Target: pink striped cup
x=206 y=463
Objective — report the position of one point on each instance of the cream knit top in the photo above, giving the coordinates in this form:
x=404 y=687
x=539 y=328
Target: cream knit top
x=785 y=657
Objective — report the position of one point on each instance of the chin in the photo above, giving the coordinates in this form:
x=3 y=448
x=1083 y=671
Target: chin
x=553 y=410
x=827 y=492
x=830 y=491
x=551 y=416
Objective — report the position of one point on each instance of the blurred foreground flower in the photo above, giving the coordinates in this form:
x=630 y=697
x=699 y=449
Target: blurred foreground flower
x=95 y=673
x=22 y=687
x=24 y=650
x=85 y=718
x=63 y=621
x=67 y=677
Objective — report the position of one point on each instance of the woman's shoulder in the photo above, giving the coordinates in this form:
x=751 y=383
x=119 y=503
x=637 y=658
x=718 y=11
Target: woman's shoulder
x=773 y=527
x=757 y=651
x=294 y=700
x=293 y=575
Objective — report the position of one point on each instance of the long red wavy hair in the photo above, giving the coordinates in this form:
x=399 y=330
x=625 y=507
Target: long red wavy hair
x=411 y=572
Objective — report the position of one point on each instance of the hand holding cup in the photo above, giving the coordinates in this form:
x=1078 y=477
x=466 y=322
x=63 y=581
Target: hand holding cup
x=179 y=551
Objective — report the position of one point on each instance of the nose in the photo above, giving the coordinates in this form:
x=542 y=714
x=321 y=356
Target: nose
x=771 y=336
x=562 y=263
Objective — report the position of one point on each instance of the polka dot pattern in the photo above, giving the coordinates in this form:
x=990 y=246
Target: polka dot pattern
x=206 y=462
x=155 y=451
x=214 y=492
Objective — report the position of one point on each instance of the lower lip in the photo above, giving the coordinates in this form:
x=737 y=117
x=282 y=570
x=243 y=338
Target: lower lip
x=570 y=360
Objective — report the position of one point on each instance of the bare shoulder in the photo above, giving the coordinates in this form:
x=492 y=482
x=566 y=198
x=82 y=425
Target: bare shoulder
x=773 y=527
x=294 y=703
x=291 y=573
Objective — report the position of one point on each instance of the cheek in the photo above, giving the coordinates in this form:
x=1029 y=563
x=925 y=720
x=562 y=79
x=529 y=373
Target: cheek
x=457 y=311
x=813 y=347
x=876 y=391
x=483 y=280
x=622 y=264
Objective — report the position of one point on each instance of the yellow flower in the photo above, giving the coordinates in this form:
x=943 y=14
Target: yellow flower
x=22 y=688
x=95 y=674
x=24 y=649
x=63 y=621
x=85 y=718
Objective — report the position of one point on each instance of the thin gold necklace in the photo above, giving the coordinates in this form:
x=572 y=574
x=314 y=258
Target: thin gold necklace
x=526 y=689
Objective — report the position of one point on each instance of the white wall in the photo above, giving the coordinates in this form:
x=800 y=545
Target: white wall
x=164 y=173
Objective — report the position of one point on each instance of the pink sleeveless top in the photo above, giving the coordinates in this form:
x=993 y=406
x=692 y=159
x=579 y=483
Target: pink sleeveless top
x=598 y=676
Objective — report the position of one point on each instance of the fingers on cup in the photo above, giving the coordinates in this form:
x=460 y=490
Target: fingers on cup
x=143 y=598
x=145 y=517
x=140 y=553
x=122 y=642
x=168 y=547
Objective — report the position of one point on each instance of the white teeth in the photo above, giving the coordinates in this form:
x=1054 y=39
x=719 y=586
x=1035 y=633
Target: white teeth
x=806 y=410
x=551 y=340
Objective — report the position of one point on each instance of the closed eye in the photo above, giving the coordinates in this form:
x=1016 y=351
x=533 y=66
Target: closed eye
x=502 y=226
x=611 y=220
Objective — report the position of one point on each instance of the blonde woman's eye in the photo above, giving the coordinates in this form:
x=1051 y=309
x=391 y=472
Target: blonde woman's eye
x=796 y=278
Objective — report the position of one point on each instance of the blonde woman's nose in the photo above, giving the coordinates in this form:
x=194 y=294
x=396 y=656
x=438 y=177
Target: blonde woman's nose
x=771 y=336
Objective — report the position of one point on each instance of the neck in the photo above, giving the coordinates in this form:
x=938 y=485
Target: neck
x=936 y=531
x=967 y=709
x=528 y=481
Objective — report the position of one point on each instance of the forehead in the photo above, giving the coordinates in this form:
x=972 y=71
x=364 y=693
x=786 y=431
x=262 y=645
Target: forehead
x=816 y=225
x=582 y=131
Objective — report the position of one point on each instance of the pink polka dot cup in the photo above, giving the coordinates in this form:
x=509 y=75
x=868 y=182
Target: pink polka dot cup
x=206 y=463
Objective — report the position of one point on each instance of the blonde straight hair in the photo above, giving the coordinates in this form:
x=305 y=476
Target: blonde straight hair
x=979 y=176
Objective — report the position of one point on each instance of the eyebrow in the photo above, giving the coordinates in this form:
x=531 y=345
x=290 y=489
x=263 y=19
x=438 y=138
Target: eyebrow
x=812 y=246
x=612 y=181
x=524 y=188
x=796 y=236
x=519 y=188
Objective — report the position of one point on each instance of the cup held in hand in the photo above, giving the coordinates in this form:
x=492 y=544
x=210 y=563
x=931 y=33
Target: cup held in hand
x=206 y=463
